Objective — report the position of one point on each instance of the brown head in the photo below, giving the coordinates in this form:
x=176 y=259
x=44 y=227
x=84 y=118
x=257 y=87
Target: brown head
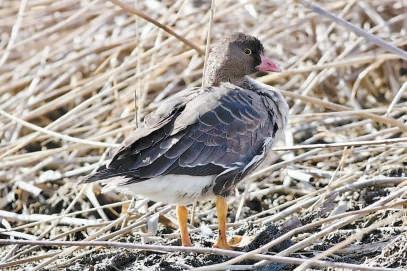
x=236 y=56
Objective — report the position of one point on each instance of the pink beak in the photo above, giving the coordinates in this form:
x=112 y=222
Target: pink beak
x=267 y=65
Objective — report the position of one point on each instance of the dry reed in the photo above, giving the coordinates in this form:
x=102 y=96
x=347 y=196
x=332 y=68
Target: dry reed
x=77 y=76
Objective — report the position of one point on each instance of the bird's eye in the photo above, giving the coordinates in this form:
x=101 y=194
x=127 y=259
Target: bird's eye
x=247 y=51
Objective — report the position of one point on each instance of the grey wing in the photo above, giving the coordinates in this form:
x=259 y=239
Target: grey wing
x=157 y=127
x=222 y=132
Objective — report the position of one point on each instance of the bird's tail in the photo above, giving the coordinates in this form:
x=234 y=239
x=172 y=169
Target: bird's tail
x=101 y=173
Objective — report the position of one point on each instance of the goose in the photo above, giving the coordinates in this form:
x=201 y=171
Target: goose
x=201 y=142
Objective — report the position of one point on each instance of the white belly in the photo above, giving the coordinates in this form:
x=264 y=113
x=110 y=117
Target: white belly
x=180 y=189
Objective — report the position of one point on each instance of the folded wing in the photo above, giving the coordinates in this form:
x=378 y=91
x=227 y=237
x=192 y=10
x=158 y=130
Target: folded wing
x=221 y=131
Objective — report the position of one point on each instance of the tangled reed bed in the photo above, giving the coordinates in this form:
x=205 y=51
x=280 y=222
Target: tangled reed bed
x=77 y=77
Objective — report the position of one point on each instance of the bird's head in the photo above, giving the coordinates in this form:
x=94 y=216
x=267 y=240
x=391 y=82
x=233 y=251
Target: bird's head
x=236 y=56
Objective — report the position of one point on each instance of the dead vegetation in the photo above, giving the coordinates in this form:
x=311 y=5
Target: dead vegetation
x=77 y=77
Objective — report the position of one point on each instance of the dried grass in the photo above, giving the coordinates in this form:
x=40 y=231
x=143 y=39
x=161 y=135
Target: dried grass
x=76 y=77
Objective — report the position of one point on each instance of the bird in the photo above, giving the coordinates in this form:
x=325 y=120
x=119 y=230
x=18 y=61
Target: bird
x=201 y=142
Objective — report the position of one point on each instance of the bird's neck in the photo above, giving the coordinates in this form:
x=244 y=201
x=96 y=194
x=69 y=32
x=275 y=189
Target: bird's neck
x=215 y=77
x=222 y=72
x=216 y=81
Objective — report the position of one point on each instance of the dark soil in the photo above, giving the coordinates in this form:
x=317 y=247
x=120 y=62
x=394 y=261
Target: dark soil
x=382 y=247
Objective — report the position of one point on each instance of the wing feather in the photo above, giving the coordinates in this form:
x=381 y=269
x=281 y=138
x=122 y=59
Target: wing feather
x=192 y=154
x=219 y=131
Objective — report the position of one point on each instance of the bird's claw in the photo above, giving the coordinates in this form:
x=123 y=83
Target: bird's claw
x=230 y=245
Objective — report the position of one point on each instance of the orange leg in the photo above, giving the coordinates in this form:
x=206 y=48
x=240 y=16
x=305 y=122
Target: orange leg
x=182 y=215
x=222 y=211
x=125 y=208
